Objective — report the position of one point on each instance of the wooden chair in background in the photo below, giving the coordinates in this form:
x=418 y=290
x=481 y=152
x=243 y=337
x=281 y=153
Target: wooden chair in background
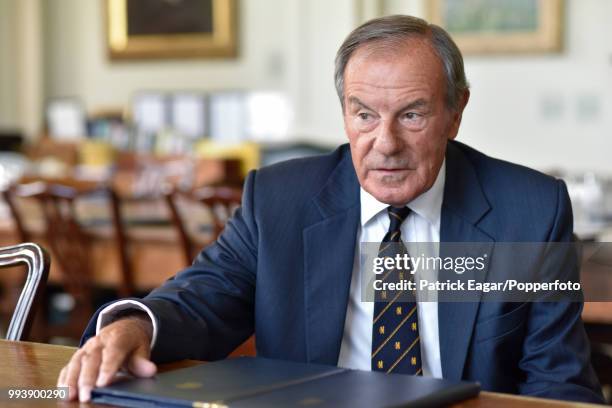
x=37 y=262
x=221 y=201
x=69 y=243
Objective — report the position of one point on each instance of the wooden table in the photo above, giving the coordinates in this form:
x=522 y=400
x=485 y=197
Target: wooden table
x=154 y=249
x=35 y=365
x=596 y=276
x=153 y=260
x=597 y=312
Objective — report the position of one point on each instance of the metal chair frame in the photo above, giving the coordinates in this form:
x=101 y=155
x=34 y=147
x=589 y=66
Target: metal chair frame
x=37 y=260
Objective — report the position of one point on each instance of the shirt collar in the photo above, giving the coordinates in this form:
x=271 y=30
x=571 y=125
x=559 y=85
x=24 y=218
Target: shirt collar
x=427 y=205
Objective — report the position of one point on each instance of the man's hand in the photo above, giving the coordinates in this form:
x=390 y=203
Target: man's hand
x=124 y=343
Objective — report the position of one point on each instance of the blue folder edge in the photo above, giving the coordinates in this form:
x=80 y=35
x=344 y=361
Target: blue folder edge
x=256 y=381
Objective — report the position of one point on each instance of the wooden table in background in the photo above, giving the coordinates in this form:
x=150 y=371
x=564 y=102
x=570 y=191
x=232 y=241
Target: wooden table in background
x=155 y=251
x=155 y=257
x=34 y=365
x=597 y=312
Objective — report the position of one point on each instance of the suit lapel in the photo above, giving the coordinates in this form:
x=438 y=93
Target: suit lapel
x=464 y=205
x=329 y=248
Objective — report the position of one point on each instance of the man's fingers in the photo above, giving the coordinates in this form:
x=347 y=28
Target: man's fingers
x=98 y=361
x=90 y=364
x=61 y=378
x=140 y=365
x=71 y=377
x=112 y=359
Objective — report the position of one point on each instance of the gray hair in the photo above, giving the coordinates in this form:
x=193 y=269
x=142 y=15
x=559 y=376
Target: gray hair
x=392 y=30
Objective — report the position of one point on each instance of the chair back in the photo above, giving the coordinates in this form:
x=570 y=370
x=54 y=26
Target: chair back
x=221 y=201
x=66 y=238
x=37 y=262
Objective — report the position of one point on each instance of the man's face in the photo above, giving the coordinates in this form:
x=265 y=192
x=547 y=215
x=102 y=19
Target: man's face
x=397 y=120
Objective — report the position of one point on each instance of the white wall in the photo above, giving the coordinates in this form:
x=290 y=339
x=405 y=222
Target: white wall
x=323 y=25
x=546 y=111
x=287 y=45
x=543 y=111
x=77 y=62
x=549 y=111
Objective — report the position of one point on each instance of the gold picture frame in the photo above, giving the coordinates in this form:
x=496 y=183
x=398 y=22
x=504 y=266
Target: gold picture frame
x=491 y=26
x=214 y=35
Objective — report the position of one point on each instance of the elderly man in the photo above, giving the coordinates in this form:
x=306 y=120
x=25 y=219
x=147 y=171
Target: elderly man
x=287 y=265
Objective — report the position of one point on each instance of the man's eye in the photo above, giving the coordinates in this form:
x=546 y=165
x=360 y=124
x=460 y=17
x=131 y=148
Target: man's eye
x=363 y=115
x=412 y=115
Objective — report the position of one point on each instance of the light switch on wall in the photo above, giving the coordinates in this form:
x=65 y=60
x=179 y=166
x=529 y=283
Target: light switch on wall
x=588 y=107
x=275 y=65
x=552 y=107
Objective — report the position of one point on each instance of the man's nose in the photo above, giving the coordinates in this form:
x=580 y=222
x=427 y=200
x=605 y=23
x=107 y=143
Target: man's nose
x=388 y=140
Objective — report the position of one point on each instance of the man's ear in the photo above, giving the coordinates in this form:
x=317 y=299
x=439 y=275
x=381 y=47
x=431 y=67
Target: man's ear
x=458 y=114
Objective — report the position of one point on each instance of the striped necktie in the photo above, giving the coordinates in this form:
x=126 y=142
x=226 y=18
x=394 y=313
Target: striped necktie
x=395 y=334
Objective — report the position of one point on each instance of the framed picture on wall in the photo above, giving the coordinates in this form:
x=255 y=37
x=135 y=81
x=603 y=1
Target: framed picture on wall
x=501 y=26
x=141 y=29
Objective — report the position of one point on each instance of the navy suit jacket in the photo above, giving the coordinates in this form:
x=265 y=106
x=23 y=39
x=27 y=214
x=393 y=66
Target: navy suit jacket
x=282 y=269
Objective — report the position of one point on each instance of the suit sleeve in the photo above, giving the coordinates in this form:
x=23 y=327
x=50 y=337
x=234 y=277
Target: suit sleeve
x=207 y=310
x=556 y=352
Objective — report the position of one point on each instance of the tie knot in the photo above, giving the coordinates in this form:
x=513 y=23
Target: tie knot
x=397 y=215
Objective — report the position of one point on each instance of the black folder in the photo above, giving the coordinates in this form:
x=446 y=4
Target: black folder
x=260 y=382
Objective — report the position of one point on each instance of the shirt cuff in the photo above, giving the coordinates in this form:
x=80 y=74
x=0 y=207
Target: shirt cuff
x=108 y=314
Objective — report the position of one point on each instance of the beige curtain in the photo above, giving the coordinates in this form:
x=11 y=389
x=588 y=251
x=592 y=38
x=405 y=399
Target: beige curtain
x=21 y=66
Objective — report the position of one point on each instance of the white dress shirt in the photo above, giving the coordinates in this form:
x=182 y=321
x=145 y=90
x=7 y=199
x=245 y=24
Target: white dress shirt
x=422 y=225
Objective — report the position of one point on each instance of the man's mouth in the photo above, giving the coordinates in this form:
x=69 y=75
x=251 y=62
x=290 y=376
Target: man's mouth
x=392 y=169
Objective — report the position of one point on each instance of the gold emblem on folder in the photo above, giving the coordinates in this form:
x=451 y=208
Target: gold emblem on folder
x=190 y=385
x=198 y=404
